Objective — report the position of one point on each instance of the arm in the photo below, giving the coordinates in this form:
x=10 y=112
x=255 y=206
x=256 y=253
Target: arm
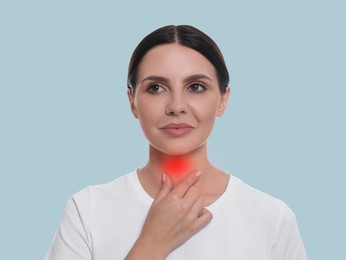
x=288 y=242
x=71 y=241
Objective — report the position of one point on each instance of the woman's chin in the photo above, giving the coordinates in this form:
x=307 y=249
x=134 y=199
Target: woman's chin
x=176 y=150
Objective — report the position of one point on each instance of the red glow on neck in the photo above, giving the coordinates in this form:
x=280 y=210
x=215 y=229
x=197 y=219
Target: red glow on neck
x=177 y=166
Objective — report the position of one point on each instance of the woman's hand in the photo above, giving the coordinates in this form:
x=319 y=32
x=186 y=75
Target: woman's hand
x=175 y=215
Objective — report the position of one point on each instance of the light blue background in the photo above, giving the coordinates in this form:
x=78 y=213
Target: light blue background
x=65 y=120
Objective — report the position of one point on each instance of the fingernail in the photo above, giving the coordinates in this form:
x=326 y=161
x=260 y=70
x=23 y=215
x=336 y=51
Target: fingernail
x=198 y=173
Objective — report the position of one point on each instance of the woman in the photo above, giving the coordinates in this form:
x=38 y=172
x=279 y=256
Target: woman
x=178 y=206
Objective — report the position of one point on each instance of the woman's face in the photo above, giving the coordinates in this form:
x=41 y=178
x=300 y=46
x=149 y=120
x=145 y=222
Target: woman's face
x=177 y=98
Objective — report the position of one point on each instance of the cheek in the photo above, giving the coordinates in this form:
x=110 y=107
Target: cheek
x=205 y=110
x=148 y=113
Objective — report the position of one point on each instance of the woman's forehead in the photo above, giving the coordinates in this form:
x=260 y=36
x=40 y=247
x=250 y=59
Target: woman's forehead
x=174 y=60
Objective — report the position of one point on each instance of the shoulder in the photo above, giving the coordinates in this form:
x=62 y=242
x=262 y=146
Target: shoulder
x=104 y=193
x=258 y=203
x=268 y=217
x=250 y=194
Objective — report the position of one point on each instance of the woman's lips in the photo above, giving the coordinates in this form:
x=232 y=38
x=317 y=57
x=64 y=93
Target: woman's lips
x=177 y=130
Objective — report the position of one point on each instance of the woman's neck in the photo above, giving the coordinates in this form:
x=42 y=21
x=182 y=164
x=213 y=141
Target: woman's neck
x=177 y=167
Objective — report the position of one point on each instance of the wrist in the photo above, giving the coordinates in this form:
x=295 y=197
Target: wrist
x=144 y=249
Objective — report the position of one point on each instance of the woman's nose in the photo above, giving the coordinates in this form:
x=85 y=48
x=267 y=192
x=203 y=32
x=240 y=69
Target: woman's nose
x=177 y=105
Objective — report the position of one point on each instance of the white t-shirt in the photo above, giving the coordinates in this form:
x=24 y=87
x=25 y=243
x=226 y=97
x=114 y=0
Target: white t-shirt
x=102 y=222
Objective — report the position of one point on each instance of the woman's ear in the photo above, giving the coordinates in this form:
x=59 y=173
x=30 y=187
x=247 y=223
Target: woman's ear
x=223 y=103
x=132 y=103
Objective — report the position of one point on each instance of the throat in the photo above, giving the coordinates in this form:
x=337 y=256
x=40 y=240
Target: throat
x=177 y=167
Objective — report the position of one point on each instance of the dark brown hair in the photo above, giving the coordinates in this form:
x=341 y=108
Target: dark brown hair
x=185 y=35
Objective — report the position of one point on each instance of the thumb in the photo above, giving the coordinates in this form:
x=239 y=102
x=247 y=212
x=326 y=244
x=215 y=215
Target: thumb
x=204 y=217
x=166 y=187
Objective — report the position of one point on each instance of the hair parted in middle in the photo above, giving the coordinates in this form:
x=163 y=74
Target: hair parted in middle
x=184 y=35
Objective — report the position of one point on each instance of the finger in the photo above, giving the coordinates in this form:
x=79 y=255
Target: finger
x=186 y=183
x=166 y=187
x=190 y=198
x=205 y=216
x=197 y=208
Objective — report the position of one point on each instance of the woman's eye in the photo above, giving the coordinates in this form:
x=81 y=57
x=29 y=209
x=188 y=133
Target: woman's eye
x=196 y=87
x=155 y=88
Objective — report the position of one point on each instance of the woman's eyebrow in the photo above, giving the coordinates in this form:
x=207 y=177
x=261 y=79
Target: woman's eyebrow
x=156 y=78
x=197 y=77
x=194 y=77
